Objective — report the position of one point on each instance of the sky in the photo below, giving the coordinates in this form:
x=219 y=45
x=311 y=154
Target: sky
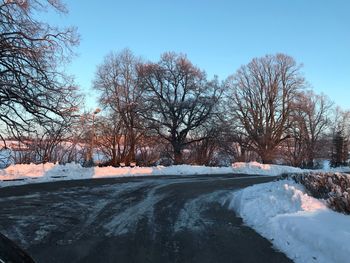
x=218 y=36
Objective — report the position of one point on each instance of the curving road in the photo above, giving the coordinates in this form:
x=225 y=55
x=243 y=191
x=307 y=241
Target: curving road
x=153 y=219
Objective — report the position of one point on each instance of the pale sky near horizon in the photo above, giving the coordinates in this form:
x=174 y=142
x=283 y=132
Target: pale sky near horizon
x=217 y=36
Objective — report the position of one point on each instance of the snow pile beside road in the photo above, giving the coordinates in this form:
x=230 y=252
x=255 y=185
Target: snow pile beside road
x=161 y=170
x=20 y=171
x=35 y=173
x=299 y=225
x=38 y=173
x=264 y=169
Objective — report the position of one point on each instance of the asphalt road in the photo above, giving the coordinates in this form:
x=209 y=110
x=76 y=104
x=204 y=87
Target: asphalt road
x=163 y=219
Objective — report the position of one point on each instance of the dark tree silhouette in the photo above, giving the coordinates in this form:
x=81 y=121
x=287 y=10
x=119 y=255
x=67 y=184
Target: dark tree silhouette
x=178 y=99
x=261 y=95
x=339 y=150
x=121 y=95
x=33 y=87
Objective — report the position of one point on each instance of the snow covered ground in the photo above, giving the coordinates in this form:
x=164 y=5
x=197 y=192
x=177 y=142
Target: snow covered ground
x=299 y=225
x=38 y=173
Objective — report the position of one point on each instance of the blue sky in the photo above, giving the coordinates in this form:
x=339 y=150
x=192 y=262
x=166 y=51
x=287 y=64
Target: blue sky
x=217 y=36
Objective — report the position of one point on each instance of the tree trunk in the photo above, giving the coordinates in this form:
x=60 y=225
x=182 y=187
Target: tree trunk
x=114 y=161
x=267 y=156
x=114 y=157
x=177 y=155
x=242 y=155
x=131 y=155
x=310 y=156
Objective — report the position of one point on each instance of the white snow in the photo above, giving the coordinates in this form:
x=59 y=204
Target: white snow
x=190 y=216
x=38 y=173
x=299 y=225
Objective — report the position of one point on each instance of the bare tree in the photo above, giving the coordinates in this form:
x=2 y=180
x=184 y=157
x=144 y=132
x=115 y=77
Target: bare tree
x=340 y=121
x=340 y=135
x=340 y=152
x=178 y=100
x=293 y=149
x=53 y=142
x=261 y=95
x=47 y=145
x=234 y=144
x=311 y=118
x=33 y=87
x=110 y=139
x=203 y=152
x=150 y=150
x=117 y=79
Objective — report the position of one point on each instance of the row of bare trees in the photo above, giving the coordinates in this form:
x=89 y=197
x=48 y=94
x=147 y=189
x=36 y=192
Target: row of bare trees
x=265 y=111
x=169 y=101
x=167 y=111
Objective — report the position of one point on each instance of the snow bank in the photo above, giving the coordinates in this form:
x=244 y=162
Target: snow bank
x=264 y=169
x=297 y=224
x=35 y=173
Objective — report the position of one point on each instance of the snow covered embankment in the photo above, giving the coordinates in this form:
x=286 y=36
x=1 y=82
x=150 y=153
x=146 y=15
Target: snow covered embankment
x=299 y=225
x=38 y=173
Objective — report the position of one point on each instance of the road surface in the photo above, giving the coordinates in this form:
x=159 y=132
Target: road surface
x=153 y=219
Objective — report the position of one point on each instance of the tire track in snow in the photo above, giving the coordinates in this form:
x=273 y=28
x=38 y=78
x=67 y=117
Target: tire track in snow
x=191 y=216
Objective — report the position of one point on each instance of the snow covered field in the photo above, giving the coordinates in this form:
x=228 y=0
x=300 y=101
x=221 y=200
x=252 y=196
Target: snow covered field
x=38 y=173
x=299 y=225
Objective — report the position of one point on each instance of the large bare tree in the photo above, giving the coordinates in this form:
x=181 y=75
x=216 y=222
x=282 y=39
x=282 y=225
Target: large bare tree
x=33 y=87
x=261 y=95
x=311 y=118
x=110 y=139
x=178 y=99
x=120 y=93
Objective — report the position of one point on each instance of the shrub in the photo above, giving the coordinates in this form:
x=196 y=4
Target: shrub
x=333 y=187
